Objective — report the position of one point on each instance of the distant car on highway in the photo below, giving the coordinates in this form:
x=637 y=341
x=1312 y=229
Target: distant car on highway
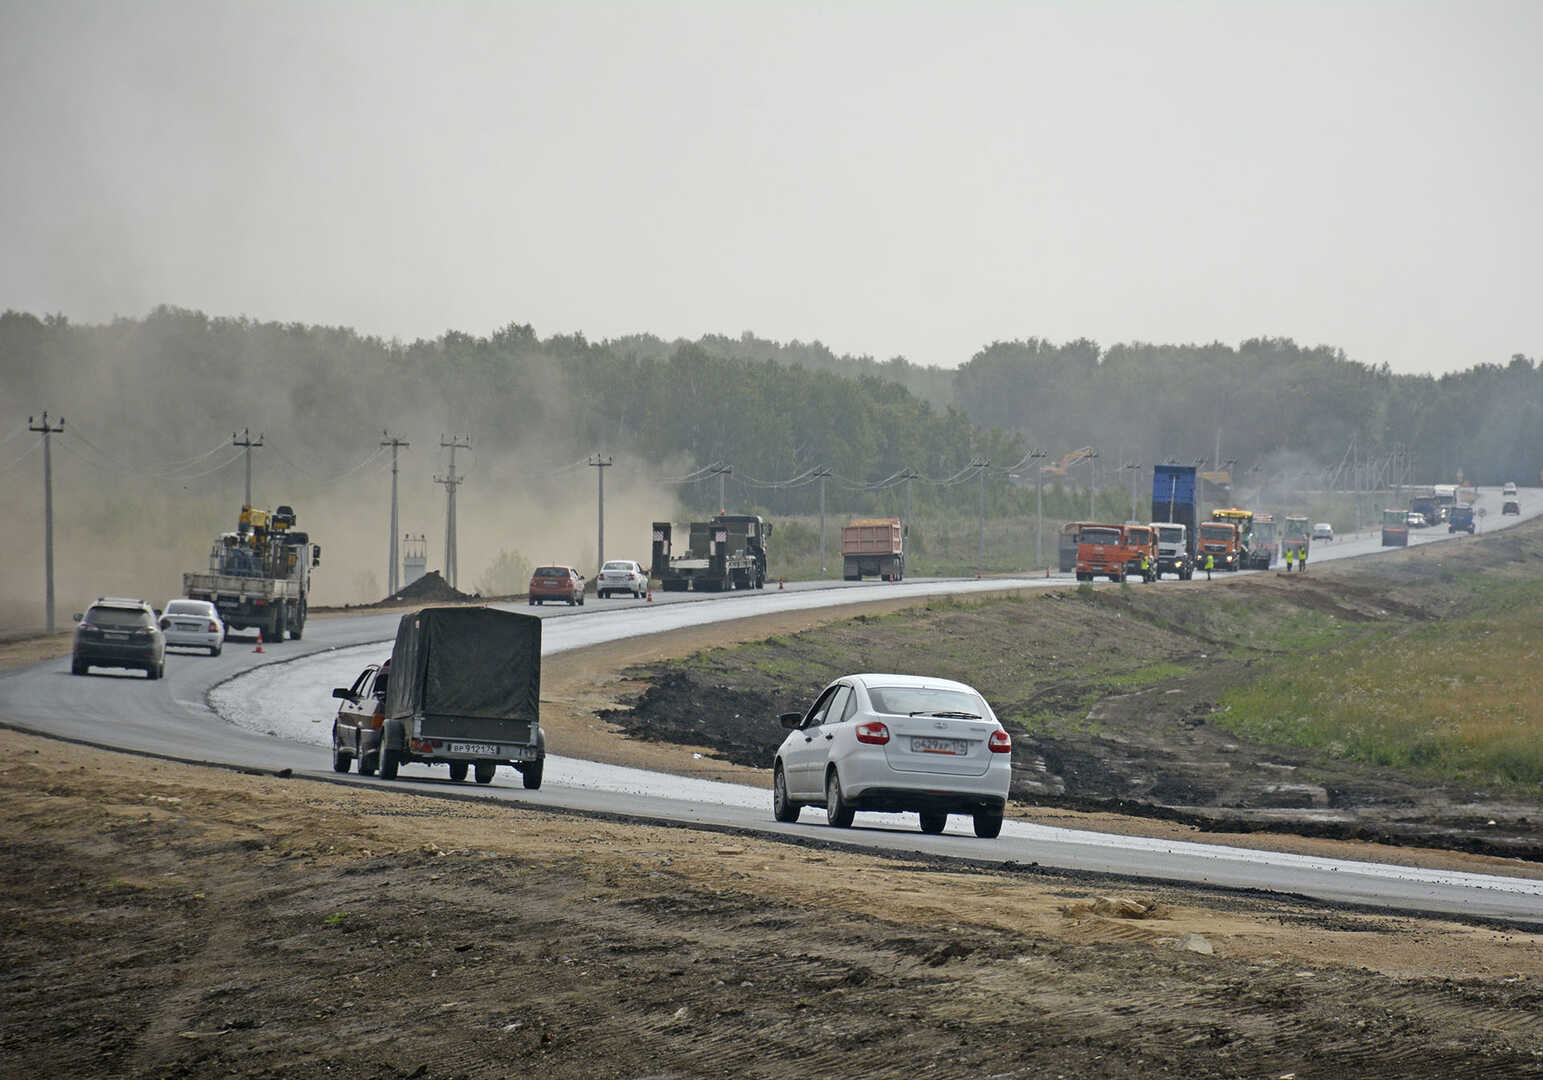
x=361 y=717
x=1511 y=506
x=621 y=575
x=1323 y=531
x=895 y=743
x=1509 y=489
x=1417 y=520
x=118 y=632
x=193 y=624
x=562 y=583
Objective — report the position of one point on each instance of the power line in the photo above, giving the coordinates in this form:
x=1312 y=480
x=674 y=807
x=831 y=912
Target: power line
x=47 y=430
x=451 y=481
x=391 y=560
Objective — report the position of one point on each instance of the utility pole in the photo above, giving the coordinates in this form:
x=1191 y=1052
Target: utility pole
x=905 y=543
x=822 y=472
x=981 y=464
x=47 y=430
x=721 y=471
x=451 y=482
x=246 y=442
x=392 y=581
x=600 y=465
x=1092 y=480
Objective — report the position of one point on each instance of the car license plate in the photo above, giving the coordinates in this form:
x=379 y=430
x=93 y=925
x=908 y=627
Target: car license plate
x=928 y=745
x=487 y=749
x=110 y=636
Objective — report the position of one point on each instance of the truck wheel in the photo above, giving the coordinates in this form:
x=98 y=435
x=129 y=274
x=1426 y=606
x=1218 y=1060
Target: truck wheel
x=389 y=762
x=368 y=763
x=530 y=775
x=581 y=599
x=485 y=771
x=297 y=629
x=77 y=668
x=458 y=770
x=280 y=623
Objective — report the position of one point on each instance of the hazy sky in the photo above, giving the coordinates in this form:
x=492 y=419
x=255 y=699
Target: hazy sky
x=889 y=178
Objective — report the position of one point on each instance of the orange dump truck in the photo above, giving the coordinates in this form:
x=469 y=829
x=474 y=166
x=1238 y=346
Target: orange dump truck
x=1113 y=551
x=873 y=546
x=1223 y=542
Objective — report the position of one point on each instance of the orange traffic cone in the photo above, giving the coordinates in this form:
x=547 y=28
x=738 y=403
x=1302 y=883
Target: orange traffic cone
x=259 y=642
x=782 y=583
x=650 y=596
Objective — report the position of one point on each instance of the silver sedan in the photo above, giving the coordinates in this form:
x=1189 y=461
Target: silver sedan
x=895 y=743
x=193 y=624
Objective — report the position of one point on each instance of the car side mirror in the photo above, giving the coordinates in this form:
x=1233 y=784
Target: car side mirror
x=79 y=616
x=791 y=720
x=342 y=692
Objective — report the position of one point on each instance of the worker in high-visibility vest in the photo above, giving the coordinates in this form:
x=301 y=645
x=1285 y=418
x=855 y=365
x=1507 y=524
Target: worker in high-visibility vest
x=1302 y=559
x=1146 y=568
x=1291 y=555
x=1210 y=564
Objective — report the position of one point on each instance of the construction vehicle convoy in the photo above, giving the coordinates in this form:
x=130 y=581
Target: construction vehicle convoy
x=873 y=546
x=1174 y=503
x=260 y=575
x=726 y=552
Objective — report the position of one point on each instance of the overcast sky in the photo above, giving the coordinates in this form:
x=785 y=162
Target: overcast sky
x=888 y=178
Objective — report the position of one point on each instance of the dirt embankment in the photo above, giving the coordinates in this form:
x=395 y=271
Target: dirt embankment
x=170 y=921
x=1110 y=693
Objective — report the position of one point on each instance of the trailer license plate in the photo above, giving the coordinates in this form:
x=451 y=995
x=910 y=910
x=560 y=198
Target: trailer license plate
x=928 y=745
x=488 y=749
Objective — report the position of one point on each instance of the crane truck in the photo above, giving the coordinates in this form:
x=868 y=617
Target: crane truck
x=259 y=575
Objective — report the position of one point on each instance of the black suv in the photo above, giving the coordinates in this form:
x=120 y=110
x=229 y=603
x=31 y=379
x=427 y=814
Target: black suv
x=122 y=633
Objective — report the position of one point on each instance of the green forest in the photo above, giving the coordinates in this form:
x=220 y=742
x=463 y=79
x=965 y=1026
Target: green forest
x=152 y=405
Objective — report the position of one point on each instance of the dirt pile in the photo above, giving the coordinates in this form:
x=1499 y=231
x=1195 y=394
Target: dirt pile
x=431 y=588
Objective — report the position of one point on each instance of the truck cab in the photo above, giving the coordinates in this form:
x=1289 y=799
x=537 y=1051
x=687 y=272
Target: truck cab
x=1173 y=555
x=1221 y=541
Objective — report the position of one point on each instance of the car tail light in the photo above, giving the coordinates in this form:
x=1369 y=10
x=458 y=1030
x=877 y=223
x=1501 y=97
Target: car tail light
x=214 y=627
x=1000 y=742
x=165 y=624
x=873 y=732
x=379 y=719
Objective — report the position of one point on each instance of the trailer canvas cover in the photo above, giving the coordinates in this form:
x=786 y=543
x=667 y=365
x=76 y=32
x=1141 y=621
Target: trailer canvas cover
x=466 y=662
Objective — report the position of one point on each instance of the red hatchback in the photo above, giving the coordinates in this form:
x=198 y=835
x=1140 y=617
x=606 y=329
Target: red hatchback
x=562 y=583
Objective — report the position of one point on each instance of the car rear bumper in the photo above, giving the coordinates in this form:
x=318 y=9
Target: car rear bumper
x=874 y=785
x=202 y=639
x=96 y=655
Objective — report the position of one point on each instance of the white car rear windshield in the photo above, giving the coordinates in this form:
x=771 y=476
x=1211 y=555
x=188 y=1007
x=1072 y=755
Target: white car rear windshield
x=926 y=701
x=617 y=566
x=188 y=607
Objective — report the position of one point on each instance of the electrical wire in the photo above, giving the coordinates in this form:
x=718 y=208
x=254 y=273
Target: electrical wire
x=16 y=463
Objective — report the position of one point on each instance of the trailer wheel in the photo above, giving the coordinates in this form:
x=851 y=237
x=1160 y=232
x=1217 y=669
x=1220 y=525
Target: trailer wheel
x=458 y=770
x=485 y=771
x=530 y=775
x=296 y=630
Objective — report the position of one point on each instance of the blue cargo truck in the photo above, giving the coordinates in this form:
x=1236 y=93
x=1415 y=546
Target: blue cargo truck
x=1175 y=510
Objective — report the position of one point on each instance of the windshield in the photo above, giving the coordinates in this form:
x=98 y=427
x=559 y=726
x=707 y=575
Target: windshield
x=1216 y=532
x=551 y=571
x=926 y=701
x=1170 y=535
x=617 y=566
x=119 y=618
x=188 y=607
x=1100 y=536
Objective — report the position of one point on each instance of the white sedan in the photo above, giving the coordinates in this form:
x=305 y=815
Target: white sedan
x=895 y=743
x=193 y=624
x=621 y=575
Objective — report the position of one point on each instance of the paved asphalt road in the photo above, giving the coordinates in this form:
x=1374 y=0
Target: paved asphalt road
x=172 y=718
